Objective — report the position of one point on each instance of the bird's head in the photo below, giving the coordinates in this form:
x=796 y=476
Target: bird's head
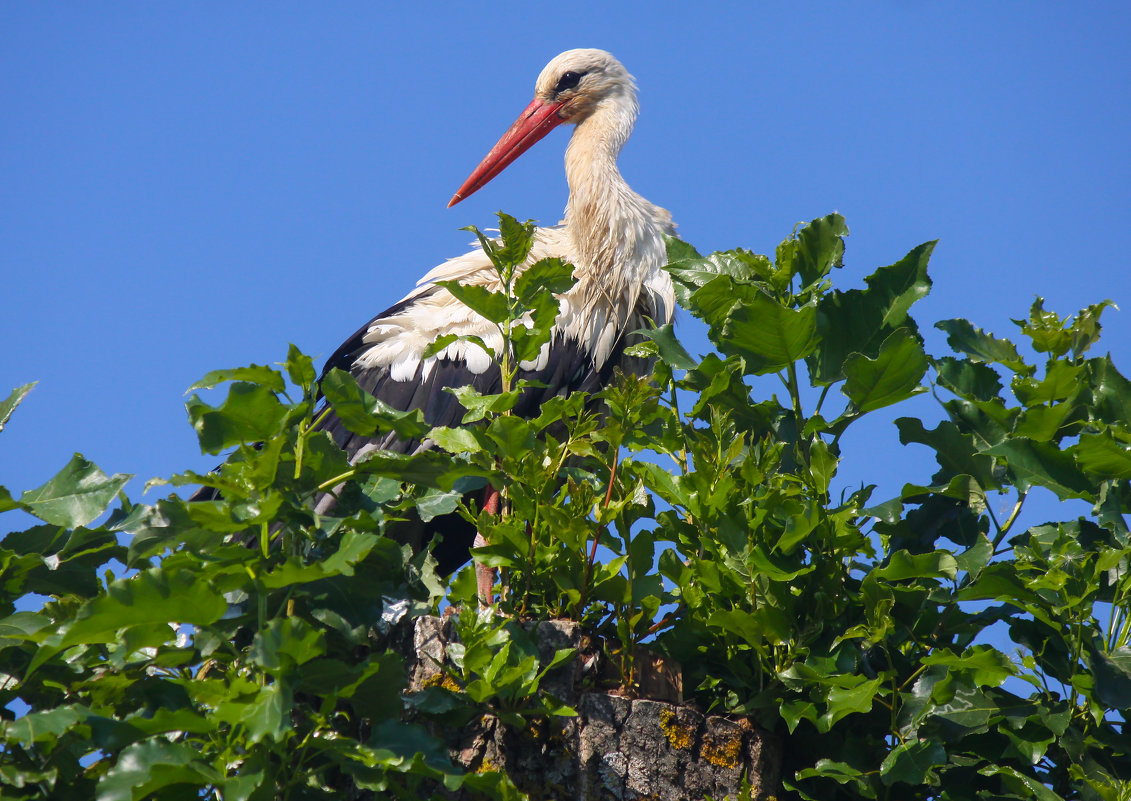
x=571 y=87
x=578 y=81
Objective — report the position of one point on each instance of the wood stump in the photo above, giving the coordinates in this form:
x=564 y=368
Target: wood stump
x=616 y=749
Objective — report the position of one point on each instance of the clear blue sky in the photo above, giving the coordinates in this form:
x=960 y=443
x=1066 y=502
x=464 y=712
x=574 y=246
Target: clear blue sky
x=192 y=186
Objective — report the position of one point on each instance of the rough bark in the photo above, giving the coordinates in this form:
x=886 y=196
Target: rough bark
x=617 y=748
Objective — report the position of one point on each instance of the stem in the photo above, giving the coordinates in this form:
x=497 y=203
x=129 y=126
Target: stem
x=1013 y=515
x=794 y=394
x=1124 y=632
x=596 y=539
x=300 y=451
x=588 y=573
x=336 y=480
x=681 y=457
x=612 y=477
x=505 y=366
x=821 y=400
x=1002 y=530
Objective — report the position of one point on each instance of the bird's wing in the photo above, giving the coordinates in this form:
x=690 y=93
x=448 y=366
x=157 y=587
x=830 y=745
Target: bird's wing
x=386 y=355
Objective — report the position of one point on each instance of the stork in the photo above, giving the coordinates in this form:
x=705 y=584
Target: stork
x=612 y=236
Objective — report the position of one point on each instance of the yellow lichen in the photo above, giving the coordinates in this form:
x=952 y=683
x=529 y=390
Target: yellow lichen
x=441 y=680
x=722 y=750
x=678 y=734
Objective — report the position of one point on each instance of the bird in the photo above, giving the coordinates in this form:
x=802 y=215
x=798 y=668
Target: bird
x=613 y=237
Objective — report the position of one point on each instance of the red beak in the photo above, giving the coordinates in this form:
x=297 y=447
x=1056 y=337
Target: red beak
x=539 y=118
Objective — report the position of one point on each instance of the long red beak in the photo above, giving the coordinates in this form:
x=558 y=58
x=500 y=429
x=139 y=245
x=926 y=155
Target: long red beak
x=539 y=118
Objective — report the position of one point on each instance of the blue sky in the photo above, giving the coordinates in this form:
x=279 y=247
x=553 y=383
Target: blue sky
x=192 y=186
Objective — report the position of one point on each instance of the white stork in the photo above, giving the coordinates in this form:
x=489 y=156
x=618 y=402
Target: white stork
x=612 y=236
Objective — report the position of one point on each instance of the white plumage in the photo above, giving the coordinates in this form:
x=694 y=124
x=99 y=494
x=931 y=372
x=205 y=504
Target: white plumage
x=612 y=236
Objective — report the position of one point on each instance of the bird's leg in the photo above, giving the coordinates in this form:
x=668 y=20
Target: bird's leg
x=484 y=575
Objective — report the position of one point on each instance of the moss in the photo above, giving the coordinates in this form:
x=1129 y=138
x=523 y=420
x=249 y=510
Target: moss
x=722 y=750
x=678 y=734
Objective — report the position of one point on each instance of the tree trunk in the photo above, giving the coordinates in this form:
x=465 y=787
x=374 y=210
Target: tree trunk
x=617 y=747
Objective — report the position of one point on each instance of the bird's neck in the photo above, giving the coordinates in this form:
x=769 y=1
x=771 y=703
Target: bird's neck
x=612 y=227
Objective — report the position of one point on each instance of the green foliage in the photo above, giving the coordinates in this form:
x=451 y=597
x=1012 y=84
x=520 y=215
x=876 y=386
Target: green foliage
x=921 y=646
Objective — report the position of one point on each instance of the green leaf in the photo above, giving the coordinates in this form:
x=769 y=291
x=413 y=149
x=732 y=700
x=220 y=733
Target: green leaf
x=545 y=275
x=286 y=643
x=963 y=337
x=517 y=238
x=967 y=379
x=250 y=413
x=144 y=769
x=1062 y=380
x=152 y=596
x=1111 y=393
x=820 y=247
x=455 y=440
x=45 y=726
x=364 y=414
x=353 y=547
x=955 y=452
x=892 y=376
x=847 y=700
x=859 y=321
x=671 y=350
x=902 y=565
x=299 y=367
x=1041 y=464
x=9 y=404
x=986 y=665
x=1024 y=786
x=1112 y=670
x=436 y=503
x=1086 y=327
x=913 y=763
x=76 y=495
x=490 y=305
x=678 y=250
x=512 y=434
x=1046 y=330
x=479 y=405
x=1103 y=455
x=751 y=324
x=253 y=374
x=688 y=275
x=1041 y=423
x=839 y=772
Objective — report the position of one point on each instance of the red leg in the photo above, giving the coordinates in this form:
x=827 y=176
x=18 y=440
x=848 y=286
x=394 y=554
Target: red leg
x=485 y=576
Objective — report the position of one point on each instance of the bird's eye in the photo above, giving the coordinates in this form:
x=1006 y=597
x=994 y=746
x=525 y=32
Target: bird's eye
x=568 y=81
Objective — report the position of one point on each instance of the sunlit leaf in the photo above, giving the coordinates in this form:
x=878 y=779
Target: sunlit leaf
x=671 y=350
x=253 y=374
x=546 y=275
x=488 y=304
x=1103 y=455
x=860 y=320
x=987 y=666
x=1041 y=464
x=250 y=413
x=364 y=414
x=9 y=404
x=892 y=376
x=963 y=337
x=820 y=247
x=690 y=274
x=75 y=495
